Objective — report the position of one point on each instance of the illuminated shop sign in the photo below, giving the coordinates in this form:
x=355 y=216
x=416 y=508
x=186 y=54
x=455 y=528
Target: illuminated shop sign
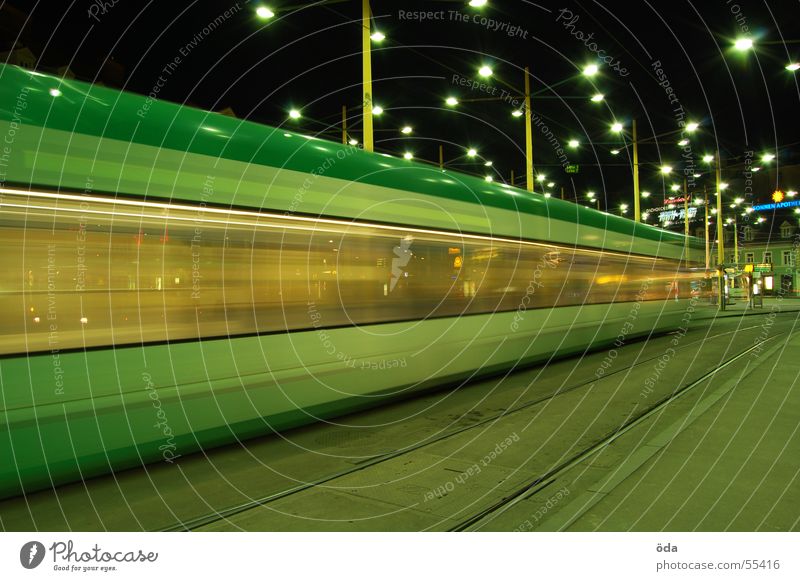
x=671 y=215
x=791 y=204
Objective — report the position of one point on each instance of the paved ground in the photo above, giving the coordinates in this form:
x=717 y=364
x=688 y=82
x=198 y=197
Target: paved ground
x=509 y=453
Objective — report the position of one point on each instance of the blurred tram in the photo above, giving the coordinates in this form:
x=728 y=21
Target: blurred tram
x=174 y=279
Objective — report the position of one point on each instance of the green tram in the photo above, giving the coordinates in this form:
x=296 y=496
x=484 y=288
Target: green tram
x=174 y=279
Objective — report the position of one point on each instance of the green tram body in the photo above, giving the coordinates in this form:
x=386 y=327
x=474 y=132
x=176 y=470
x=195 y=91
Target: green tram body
x=74 y=409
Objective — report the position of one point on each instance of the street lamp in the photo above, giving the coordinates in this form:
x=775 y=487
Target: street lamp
x=472 y=152
x=592 y=198
x=692 y=127
x=264 y=13
x=767 y=157
x=666 y=169
x=407 y=130
x=590 y=70
x=516 y=113
x=743 y=44
x=597 y=98
x=294 y=114
x=793 y=67
x=377 y=36
x=616 y=127
x=485 y=71
x=573 y=143
x=451 y=101
x=623 y=208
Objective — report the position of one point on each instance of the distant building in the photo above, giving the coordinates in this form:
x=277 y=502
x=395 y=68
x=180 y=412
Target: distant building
x=227 y=111
x=20 y=56
x=777 y=246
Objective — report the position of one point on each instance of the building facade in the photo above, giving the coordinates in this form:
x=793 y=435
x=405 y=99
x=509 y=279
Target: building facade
x=777 y=246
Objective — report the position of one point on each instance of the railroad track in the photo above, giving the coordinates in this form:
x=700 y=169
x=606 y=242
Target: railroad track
x=537 y=484
x=530 y=488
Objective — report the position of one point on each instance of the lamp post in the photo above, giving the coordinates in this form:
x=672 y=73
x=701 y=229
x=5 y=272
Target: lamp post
x=720 y=238
x=344 y=124
x=617 y=127
x=735 y=238
x=528 y=132
x=525 y=109
x=366 y=62
x=720 y=242
x=636 y=201
x=705 y=228
x=686 y=218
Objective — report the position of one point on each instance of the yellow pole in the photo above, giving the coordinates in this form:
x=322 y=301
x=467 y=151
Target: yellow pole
x=528 y=133
x=685 y=208
x=441 y=157
x=686 y=218
x=637 y=209
x=735 y=241
x=344 y=124
x=720 y=243
x=720 y=238
x=705 y=229
x=367 y=74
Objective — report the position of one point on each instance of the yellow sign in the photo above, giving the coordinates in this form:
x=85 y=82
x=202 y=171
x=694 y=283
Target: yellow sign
x=457 y=262
x=777 y=196
x=748 y=268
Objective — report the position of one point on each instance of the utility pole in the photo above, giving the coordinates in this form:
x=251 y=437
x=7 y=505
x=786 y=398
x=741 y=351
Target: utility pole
x=720 y=236
x=705 y=228
x=528 y=133
x=686 y=218
x=344 y=124
x=637 y=209
x=366 y=61
x=720 y=243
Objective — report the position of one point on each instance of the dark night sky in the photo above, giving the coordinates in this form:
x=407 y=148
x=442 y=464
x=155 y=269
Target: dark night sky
x=309 y=57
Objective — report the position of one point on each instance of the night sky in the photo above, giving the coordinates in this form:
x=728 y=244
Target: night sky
x=309 y=57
